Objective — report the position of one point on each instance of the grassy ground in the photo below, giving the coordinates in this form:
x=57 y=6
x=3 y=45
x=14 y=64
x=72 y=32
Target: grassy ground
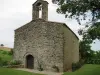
x=7 y=71
x=87 y=69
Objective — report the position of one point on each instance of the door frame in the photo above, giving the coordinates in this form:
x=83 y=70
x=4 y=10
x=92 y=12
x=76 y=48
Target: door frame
x=27 y=61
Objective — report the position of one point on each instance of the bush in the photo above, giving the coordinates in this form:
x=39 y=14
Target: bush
x=0 y=62
x=40 y=67
x=3 y=62
x=0 y=58
x=56 y=68
x=10 y=53
x=15 y=62
x=15 y=66
x=76 y=66
x=93 y=61
x=4 y=52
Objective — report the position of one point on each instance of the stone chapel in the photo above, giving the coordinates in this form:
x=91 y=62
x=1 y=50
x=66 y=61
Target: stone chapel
x=46 y=45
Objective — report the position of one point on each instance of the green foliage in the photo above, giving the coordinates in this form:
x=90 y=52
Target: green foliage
x=75 y=66
x=5 y=55
x=85 y=49
x=94 y=31
x=85 y=45
x=10 y=52
x=97 y=54
x=78 y=65
x=4 y=52
x=93 y=61
x=94 y=58
x=3 y=62
x=89 y=56
x=4 y=58
x=0 y=58
x=0 y=61
x=40 y=67
x=78 y=8
x=15 y=62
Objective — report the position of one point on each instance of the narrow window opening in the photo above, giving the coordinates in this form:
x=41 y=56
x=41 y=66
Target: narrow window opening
x=40 y=11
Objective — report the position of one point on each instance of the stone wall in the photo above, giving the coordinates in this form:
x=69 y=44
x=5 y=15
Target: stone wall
x=71 y=48
x=50 y=43
x=43 y=40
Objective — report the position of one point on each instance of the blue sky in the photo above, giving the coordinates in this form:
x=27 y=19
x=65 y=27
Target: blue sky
x=16 y=13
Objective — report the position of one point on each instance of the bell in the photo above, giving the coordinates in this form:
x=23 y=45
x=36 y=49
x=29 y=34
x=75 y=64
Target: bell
x=40 y=7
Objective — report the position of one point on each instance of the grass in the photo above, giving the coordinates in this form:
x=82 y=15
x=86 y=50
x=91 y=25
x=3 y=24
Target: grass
x=8 y=71
x=88 y=69
x=4 y=55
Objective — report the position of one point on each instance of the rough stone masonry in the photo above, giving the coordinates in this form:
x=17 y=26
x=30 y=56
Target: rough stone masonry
x=45 y=45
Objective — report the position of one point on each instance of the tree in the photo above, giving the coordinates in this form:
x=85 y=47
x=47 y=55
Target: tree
x=97 y=54
x=79 y=10
x=85 y=49
x=2 y=45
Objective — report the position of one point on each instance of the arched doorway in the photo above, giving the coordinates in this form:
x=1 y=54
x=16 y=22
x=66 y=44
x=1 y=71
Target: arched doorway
x=29 y=61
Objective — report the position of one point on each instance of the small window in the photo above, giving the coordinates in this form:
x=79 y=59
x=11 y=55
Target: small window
x=40 y=9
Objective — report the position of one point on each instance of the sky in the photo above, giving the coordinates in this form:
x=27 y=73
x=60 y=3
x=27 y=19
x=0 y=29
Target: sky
x=16 y=13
